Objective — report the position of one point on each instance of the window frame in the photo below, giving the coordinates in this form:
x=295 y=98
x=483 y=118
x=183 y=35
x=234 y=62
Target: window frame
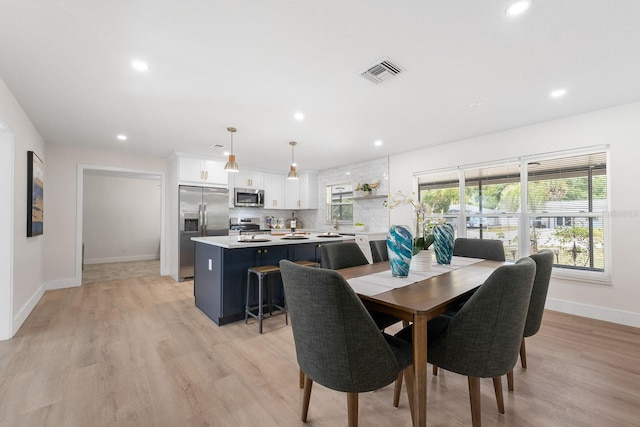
x=525 y=217
x=329 y=218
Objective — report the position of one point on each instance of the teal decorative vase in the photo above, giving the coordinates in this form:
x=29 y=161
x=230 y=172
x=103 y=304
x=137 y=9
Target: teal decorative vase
x=443 y=243
x=400 y=248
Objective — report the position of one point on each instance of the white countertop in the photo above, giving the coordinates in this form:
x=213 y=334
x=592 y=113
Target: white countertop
x=363 y=233
x=231 y=242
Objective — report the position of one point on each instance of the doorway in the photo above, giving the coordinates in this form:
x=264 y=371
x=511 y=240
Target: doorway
x=121 y=217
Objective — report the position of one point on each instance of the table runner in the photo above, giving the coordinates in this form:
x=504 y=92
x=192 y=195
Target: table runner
x=378 y=283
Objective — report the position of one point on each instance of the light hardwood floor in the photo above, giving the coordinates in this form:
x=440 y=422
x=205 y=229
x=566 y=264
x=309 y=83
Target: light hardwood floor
x=138 y=353
x=106 y=272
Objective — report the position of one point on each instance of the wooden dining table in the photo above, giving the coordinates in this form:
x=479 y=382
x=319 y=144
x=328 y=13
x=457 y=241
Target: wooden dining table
x=418 y=303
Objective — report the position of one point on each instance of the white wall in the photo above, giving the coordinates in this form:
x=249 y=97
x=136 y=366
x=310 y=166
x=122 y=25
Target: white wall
x=63 y=257
x=620 y=128
x=26 y=284
x=6 y=229
x=121 y=217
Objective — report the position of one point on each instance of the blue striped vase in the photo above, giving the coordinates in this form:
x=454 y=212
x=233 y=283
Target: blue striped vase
x=443 y=236
x=400 y=248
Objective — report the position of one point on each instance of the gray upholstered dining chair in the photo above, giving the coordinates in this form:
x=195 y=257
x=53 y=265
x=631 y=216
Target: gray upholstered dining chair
x=338 y=345
x=544 y=265
x=483 y=339
x=341 y=255
x=479 y=248
x=474 y=248
x=335 y=256
x=379 y=251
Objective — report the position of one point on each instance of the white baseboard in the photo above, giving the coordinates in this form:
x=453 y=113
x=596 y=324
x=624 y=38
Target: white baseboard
x=594 y=312
x=122 y=259
x=71 y=282
x=26 y=309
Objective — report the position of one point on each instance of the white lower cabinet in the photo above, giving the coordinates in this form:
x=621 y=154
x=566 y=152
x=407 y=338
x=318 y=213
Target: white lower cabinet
x=363 y=242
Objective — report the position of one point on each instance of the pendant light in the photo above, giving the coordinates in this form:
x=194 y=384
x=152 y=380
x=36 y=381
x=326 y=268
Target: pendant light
x=231 y=165
x=293 y=173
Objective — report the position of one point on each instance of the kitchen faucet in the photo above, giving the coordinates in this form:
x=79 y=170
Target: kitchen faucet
x=336 y=225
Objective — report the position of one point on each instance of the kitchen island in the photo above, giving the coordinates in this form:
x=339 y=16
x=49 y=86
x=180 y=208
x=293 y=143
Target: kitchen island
x=221 y=264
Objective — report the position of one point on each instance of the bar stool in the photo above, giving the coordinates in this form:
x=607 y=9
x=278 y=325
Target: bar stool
x=261 y=272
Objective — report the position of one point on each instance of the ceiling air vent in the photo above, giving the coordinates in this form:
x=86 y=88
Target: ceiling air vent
x=381 y=71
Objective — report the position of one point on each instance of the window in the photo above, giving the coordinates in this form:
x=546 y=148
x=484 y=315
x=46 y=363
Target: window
x=340 y=203
x=565 y=207
x=492 y=203
x=442 y=193
x=567 y=202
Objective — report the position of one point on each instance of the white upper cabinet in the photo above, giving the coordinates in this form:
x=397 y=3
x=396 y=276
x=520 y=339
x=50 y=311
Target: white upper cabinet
x=200 y=171
x=308 y=191
x=249 y=179
x=274 y=191
x=292 y=194
x=214 y=172
x=301 y=193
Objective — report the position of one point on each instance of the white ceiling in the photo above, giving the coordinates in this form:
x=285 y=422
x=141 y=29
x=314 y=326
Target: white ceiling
x=253 y=63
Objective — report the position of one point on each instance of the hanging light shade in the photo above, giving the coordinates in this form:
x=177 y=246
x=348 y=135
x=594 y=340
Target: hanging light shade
x=231 y=165
x=293 y=173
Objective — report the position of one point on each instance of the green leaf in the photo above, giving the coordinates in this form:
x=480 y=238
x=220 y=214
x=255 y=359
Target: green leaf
x=428 y=241
x=417 y=245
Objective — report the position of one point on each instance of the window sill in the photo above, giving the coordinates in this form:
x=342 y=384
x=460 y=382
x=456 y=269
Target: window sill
x=586 y=277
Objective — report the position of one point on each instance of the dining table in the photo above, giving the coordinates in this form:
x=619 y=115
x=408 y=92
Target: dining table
x=418 y=298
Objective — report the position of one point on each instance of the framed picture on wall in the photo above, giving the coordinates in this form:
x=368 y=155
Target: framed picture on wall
x=35 y=193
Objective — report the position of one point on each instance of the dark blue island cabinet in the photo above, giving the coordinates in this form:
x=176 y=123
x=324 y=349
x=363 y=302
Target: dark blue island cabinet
x=220 y=276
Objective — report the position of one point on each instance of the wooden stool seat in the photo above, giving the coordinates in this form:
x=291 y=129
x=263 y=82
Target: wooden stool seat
x=264 y=269
x=261 y=272
x=308 y=263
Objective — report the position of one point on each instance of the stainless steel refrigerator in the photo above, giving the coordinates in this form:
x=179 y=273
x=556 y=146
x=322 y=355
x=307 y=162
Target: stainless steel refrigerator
x=204 y=211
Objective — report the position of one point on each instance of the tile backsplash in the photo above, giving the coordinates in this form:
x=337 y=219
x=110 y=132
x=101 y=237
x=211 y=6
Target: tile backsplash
x=371 y=212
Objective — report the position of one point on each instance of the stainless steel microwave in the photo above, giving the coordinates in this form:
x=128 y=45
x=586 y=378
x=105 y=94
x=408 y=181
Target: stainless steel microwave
x=248 y=197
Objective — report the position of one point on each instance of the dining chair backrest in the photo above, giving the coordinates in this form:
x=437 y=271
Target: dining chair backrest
x=479 y=248
x=483 y=338
x=335 y=256
x=337 y=342
x=544 y=265
x=342 y=255
x=379 y=251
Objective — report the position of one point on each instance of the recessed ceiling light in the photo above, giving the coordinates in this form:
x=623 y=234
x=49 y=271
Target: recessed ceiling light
x=298 y=116
x=216 y=146
x=517 y=8
x=377 y=143
x=475 y=104
x=347 y=173
x=139 y=65
x=122 y=137
x=558 y=93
